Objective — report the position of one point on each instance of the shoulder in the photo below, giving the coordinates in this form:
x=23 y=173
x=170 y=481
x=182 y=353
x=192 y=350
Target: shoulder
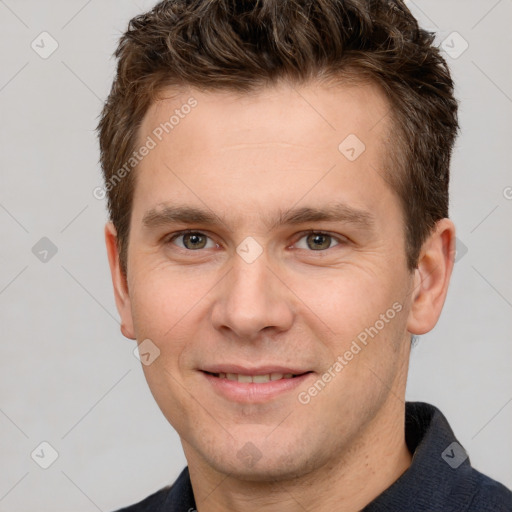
x=152 y=503
x=489 y=495
x=177 y=496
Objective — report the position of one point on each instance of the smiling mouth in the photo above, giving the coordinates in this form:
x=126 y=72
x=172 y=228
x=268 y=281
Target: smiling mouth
x=256 y=379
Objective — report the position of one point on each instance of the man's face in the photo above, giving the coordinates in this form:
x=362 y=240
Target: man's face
x=262 y=292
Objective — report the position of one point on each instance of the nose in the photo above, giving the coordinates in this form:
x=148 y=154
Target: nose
x=252 y=298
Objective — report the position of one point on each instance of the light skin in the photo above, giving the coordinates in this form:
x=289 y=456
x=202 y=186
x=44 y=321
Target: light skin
x=299 y=305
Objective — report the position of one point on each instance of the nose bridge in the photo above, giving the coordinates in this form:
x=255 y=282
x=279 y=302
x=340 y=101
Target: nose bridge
x=252 y=299
x=250 y=280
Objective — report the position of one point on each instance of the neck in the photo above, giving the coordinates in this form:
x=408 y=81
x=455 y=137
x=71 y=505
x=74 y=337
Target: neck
x=375 y=460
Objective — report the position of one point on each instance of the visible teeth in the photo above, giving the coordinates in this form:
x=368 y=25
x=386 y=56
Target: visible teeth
x=259 y=379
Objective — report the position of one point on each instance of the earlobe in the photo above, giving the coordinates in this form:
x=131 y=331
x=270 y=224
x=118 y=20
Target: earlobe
x=119 y=282
x=432 y=278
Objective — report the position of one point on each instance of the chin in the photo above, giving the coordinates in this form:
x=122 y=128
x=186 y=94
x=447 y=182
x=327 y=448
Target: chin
x=276 y=470
x=278 y=461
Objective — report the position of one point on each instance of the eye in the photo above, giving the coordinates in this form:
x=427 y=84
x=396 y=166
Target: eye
x=318 y=241
x=195 y=240
x=192 y=240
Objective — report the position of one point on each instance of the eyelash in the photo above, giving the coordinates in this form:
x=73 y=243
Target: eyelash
x=340 y=239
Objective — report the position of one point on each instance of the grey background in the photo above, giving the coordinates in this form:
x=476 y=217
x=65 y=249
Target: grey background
x=68 y=376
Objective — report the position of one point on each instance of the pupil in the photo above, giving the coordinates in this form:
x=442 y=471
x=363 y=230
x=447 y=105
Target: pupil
x=194 y=239
x=317 y=241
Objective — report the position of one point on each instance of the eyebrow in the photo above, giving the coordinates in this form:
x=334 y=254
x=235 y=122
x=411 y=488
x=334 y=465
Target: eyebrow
x=337 y=212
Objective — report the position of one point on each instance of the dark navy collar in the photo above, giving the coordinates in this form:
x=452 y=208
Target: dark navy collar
x=440 y=477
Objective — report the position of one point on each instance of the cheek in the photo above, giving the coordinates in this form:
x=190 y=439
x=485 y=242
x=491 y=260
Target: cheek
x=349 y=299
x=169 y=309
x=161 y=298
x=164 y=314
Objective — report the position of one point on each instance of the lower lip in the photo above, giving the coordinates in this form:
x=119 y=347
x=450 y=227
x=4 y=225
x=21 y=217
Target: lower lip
x=252 y=392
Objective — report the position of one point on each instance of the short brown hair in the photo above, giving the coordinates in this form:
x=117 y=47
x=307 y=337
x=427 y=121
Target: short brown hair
x=240 y=45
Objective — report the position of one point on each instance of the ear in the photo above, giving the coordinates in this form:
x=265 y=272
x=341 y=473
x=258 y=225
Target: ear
x=119 y=282
x=432 y=277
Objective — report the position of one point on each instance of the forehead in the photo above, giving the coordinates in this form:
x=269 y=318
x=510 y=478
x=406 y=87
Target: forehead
x=278 y=140
x=295 y=113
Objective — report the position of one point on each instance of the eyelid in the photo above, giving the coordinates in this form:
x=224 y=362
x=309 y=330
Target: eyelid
x=342 y=240
x=298 y=236
x=172 y=236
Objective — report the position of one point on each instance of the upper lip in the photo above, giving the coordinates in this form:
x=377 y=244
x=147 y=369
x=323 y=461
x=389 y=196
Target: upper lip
x=258 y=370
